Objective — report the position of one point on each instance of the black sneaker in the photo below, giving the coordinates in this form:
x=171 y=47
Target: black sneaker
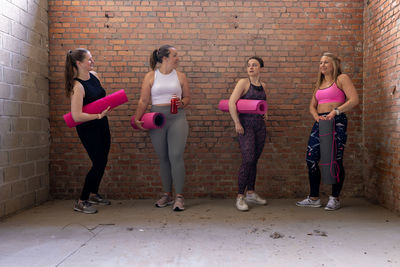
x=98 y=200
x=85 y=207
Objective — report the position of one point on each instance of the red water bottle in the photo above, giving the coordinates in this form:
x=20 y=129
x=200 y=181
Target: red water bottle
x=174 y=105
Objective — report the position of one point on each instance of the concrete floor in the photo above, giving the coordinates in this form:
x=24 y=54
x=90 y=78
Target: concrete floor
x=208 y=233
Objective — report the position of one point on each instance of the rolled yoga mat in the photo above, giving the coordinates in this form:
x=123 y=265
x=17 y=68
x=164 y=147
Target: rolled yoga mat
x=113 y=100
x=329 y=166
x=248 y=106
x=153 y=120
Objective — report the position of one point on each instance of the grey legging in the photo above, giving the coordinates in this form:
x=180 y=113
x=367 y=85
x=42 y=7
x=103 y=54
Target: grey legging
x=169 y=143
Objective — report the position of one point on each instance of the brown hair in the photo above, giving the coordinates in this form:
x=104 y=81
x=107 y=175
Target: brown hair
x=158 y=54
x=260 y=61
x=337 y=70
x=71 y=69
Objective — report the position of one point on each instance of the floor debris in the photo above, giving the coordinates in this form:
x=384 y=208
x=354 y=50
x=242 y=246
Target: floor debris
x=276 y=235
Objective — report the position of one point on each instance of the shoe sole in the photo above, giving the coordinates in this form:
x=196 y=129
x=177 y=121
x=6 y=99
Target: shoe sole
x=242 y=210
x=163 y=206
x=255 y=202
x=91 y=212
x=99 y=203
x=308 y=206
x=178 y=209
x=330 y=209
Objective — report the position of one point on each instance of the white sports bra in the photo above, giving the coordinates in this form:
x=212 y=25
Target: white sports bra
x=164 y=87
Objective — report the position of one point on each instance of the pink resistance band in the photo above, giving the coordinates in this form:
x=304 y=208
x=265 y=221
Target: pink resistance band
x=113 y=100
x=333 y=164
x=245 y=106
x=153 y=120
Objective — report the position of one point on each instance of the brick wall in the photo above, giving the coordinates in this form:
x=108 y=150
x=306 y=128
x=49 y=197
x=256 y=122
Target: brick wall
x=382 y=102
x=213 y=39
x=24 y=109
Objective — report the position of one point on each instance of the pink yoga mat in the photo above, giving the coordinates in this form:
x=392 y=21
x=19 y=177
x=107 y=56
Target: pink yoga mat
x=113 y=100
x=245 y=106
x=153 y=120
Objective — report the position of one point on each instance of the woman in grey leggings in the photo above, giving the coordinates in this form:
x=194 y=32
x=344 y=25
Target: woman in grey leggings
x=159 y=86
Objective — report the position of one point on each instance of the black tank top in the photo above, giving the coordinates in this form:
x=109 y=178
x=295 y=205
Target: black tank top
x=254 y=93
x=93 y=89
x=93 y=92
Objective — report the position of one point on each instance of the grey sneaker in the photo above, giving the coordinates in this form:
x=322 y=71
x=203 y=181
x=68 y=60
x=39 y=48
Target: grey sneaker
x=178 y=204
x=241 y=204
x=333 y=204
x=85 y=207
x=164 y=201
x=98 y=200
x=255 y=198
x=308 y=202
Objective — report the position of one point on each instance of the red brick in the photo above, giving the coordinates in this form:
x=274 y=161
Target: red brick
x=381 y=171
x=212 y=54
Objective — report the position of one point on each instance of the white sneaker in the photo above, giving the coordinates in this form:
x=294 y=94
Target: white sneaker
x=333 y=204
x=241 y=204
x=255 y=198
x=308 y=202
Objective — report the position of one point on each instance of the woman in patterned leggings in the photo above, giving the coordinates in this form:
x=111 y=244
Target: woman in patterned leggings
x=251 y=132
x=334 y=94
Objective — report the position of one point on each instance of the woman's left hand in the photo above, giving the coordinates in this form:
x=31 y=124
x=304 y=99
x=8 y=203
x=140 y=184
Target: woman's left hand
x=179 y=102
x=331 y=115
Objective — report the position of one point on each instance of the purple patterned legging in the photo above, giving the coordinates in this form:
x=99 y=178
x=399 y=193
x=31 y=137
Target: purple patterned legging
x=251 y=146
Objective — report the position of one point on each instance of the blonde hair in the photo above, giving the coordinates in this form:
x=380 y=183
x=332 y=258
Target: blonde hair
x=337 y=70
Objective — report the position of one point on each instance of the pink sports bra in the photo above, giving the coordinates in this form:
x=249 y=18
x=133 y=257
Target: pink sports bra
x=331 y=94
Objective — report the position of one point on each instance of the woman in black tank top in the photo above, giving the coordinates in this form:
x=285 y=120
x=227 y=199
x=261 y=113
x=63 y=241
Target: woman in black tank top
x=83 y=87
x=251 y=132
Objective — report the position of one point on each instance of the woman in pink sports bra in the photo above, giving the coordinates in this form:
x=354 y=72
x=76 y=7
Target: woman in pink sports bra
x=334 y=95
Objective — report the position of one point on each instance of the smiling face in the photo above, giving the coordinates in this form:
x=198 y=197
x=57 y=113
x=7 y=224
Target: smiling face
x=326 y=65
x=172 y=60
x=87 y=63
x=253 y=67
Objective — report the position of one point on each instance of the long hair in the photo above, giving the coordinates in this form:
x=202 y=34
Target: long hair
x=71 y=69
x=158 y=54
x=337 y=70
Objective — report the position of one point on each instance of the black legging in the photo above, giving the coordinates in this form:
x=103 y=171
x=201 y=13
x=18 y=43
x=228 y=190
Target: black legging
x=95 y=137
x=314 y=176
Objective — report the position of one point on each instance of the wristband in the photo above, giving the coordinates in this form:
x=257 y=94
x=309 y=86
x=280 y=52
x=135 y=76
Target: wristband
x=337 y=111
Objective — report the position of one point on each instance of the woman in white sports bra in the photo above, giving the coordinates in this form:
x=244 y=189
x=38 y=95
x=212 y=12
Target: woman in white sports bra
x=159 y=86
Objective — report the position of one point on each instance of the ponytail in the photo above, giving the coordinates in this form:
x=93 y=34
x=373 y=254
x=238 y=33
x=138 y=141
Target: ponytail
x=158 y=54
x=153 y=59
x=71 y=69
x=69 y=74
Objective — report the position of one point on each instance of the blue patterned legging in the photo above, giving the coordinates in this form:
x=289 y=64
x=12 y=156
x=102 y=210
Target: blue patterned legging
x=313 y=155
x=251 y=146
